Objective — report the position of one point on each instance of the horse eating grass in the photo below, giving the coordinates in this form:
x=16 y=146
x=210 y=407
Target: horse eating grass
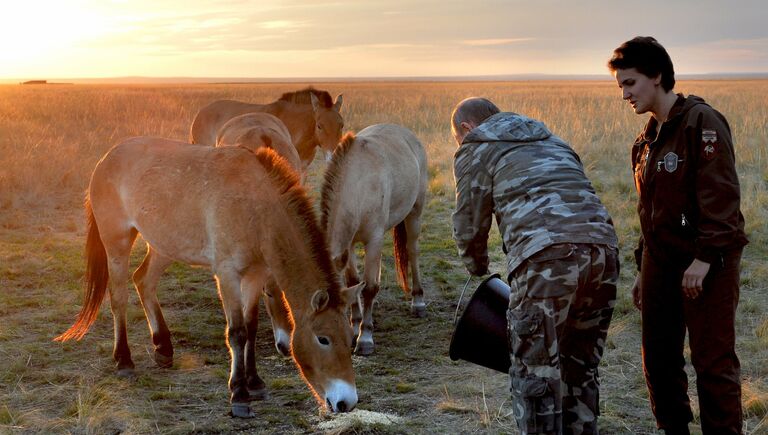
x=252 y=131
x=376 y=181
x=244 y=215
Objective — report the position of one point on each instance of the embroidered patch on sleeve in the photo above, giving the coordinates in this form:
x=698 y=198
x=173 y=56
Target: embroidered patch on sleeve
x=709 y=143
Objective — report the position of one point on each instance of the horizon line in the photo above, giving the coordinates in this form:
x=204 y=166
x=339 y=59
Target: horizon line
x=438 y=78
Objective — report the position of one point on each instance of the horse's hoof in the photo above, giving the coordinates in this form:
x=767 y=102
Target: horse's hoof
x=419 y=310
x=163 y=361
x=242 y=410
x=257 y=389
x=364 y=348
x=258 y=394
x=126 y=373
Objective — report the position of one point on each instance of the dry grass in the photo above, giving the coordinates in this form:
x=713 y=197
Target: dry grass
x=51 y=137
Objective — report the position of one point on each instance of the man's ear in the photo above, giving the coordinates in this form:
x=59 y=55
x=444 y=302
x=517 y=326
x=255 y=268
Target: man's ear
x=468 y=126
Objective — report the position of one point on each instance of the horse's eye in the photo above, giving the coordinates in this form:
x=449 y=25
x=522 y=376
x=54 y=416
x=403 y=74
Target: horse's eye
x=324 y=341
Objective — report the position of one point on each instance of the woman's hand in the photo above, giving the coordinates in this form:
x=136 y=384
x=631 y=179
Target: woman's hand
x=637 y=293
x=693 y=278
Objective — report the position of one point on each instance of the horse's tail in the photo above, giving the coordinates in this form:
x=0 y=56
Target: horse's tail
x=400 y=241
x=96 y=278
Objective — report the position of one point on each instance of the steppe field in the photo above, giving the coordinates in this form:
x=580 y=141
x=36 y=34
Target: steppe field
x=52 y=136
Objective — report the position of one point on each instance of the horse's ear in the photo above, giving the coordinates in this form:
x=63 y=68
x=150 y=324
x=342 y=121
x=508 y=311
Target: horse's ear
x=337 y=103
x=315 y=102
x=350 y=295
x=319 y=300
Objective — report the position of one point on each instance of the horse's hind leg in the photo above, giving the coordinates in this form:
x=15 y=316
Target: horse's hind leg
x=146 y=278
x=118 y=248
x=251 y=285
x=413 y=230
x=372 y=274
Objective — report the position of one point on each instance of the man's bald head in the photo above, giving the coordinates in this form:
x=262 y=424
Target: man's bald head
x=470 y=113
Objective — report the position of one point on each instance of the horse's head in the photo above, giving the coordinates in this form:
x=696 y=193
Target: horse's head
x=321 y=346
x=328 y=124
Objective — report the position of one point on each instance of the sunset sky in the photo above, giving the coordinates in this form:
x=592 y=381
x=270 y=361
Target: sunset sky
x=43 y=39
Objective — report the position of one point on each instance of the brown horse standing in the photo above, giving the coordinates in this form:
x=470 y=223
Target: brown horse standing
x=376 y=181
x=239 y=213
x=311 y=116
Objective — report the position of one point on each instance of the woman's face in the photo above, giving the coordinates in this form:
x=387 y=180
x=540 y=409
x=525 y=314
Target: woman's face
x=640 y=90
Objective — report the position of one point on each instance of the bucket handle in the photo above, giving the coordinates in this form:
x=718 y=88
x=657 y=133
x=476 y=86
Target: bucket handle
x=461 y=296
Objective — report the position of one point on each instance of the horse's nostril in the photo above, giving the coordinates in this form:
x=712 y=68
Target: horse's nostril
x=342 y=406
x=284 y=350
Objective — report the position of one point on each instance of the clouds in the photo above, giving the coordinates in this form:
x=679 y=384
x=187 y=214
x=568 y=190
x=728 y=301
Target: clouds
x=295 y=38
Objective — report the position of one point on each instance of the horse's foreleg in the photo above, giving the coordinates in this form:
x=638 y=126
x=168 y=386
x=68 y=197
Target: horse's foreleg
x=146 y=278
x=228 y=283
x=352 y=278
x=350 y=271
x=251 y=286
x=278 y=314
x=372 y=274
x=413 y=229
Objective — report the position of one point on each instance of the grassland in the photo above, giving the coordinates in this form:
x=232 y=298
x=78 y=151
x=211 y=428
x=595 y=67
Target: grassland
x=51 y=138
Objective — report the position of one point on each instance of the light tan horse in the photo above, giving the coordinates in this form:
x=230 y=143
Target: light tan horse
x=252 y=131
x=311 y=116
x=239 y=213
x=255 y=130
x=376 y=181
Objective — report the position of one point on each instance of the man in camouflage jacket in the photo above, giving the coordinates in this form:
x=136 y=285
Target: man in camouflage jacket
x=562 y=259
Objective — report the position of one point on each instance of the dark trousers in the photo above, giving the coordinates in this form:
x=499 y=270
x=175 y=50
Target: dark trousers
x=709 y=319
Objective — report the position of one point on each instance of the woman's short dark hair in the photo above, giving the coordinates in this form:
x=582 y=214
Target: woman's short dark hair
x=648 y=57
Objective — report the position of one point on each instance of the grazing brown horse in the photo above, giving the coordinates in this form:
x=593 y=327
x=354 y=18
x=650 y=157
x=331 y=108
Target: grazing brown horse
x=245 y=216
x=252 y=131
x=255 y=130
x=311 y=116
x=376 y=181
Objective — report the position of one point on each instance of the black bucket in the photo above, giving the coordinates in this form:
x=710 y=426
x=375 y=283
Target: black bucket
x=480 y=336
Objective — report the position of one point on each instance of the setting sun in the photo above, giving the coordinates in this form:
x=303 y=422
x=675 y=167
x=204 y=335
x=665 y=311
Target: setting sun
x=37 y=32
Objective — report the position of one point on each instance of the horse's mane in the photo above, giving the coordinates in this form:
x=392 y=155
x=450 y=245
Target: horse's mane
x=332 y=177
x=303 y=97
x=299 y=202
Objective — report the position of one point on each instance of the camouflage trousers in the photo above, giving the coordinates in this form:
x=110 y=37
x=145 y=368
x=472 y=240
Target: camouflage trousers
x=559 y=312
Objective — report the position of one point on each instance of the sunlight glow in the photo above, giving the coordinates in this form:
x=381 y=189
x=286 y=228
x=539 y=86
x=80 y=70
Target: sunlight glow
x=36 y=29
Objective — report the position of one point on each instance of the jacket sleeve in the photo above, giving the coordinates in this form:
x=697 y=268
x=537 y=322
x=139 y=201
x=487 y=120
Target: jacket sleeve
x=474 y=210
x=717 y=191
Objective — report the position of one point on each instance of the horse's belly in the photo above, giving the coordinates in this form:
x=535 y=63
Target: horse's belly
x=187 y=248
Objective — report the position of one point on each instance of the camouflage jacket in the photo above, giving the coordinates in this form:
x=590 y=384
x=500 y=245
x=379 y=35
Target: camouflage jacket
x=514 y=167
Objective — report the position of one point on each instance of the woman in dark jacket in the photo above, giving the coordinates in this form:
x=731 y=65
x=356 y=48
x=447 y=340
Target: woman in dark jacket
x=692 y=238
